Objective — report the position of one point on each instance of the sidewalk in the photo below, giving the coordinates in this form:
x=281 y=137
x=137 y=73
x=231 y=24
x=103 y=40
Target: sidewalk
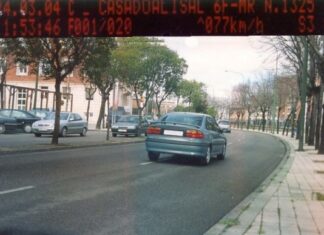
x=17 y=143
x=290 y=201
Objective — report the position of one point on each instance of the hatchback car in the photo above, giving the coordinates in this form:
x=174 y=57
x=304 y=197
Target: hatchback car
x=186 y=134
x=7 y=124
x=129 y=125
x=70 y=123
x=23 y=118
x=225 y=125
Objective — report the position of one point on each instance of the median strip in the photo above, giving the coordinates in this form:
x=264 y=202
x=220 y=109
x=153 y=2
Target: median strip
x=16 y=190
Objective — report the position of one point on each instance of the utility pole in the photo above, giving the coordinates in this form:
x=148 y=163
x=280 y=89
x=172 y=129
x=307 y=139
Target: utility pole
x=303 y=95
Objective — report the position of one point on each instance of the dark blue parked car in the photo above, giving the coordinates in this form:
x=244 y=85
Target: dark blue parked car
x=23 y=118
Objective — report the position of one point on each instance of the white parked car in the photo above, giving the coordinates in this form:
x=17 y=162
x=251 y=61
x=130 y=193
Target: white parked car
x=225 y=125
x=70 y=123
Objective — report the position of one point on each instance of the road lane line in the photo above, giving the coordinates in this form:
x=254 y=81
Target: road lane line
x=229 y=144
x=145 y=163
x=16 y=190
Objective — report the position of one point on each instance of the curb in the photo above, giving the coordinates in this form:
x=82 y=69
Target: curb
x=66 y=147
x=241 y=217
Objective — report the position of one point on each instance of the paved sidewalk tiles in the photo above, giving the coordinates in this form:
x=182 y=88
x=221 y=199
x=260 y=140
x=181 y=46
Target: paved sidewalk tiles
x=288 y=205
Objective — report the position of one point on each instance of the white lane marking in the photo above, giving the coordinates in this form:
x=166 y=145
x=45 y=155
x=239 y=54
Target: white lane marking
x=145 y=163
x=16 y=190
x=229 y=144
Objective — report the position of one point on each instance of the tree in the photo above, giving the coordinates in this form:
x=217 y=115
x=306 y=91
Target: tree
x=132 y=59
x=8 y=60
x=263 y=96
x=98 y=68
x=167 y=70
x=194 y=94
x=60 y=57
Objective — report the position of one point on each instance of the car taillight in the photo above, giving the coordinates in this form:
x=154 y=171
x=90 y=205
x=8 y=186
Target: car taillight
x=194 y=134
x=153 y=130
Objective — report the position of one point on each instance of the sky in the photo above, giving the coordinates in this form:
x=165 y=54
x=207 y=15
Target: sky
x=222 y=62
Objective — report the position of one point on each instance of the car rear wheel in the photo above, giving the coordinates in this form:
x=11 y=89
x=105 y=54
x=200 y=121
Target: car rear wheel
x=37 y=134
x=206 y=160
x=153 y=156
x=84 y=132
x=114 y=135
x=64 y=132
x=2 y=129
x=27 y=128
x=223 y=154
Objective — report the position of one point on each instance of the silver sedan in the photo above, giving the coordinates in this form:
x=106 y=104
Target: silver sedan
x=70 y=123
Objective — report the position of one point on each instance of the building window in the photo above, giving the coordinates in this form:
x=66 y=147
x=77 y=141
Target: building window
x=22 y=69
x=66 y=92
x=21 y=99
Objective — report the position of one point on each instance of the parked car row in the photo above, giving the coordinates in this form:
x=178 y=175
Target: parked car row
x=41 y=122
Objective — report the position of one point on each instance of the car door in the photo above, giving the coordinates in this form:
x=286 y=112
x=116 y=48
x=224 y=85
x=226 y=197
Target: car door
x=72 y=124
x=79 y=123
x=215 y=132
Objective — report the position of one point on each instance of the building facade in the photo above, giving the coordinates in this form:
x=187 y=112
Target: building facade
x=19 y=93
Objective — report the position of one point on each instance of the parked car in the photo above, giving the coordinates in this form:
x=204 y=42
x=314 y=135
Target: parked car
x=186 y=134
x=129 y=125
x=7 y=124
x=225 y=125
x=149 y=119
x=23 y=118
x=70 y=123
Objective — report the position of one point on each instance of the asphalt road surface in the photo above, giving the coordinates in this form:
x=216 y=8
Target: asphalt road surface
x=116 y=190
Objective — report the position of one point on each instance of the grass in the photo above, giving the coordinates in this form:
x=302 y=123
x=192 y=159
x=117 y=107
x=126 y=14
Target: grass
x=245 y=208
x=230 y=222
x=319 y=196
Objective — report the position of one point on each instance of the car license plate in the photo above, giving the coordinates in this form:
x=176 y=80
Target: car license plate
x=173 y=133
x=122 y=130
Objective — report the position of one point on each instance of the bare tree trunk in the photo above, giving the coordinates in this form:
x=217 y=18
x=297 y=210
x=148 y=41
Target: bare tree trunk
x=158 y=109
x=286 y=124
x=321 y=146
x=298 y=127
x=108 y=122
x=55 y=138
x=102 y=111
x=319 y=116
x=308 y=118
x=88 y=109
x=248 y=121
x=3 y=79
x=311 y=131
x=278 y=122
x=293 y=122
x=263 y=121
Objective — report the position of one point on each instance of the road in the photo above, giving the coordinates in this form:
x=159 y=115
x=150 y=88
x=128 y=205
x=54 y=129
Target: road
x=116 y=190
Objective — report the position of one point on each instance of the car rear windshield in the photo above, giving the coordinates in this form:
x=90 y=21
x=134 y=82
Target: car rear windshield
x=184 y=119
x=132 y=119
